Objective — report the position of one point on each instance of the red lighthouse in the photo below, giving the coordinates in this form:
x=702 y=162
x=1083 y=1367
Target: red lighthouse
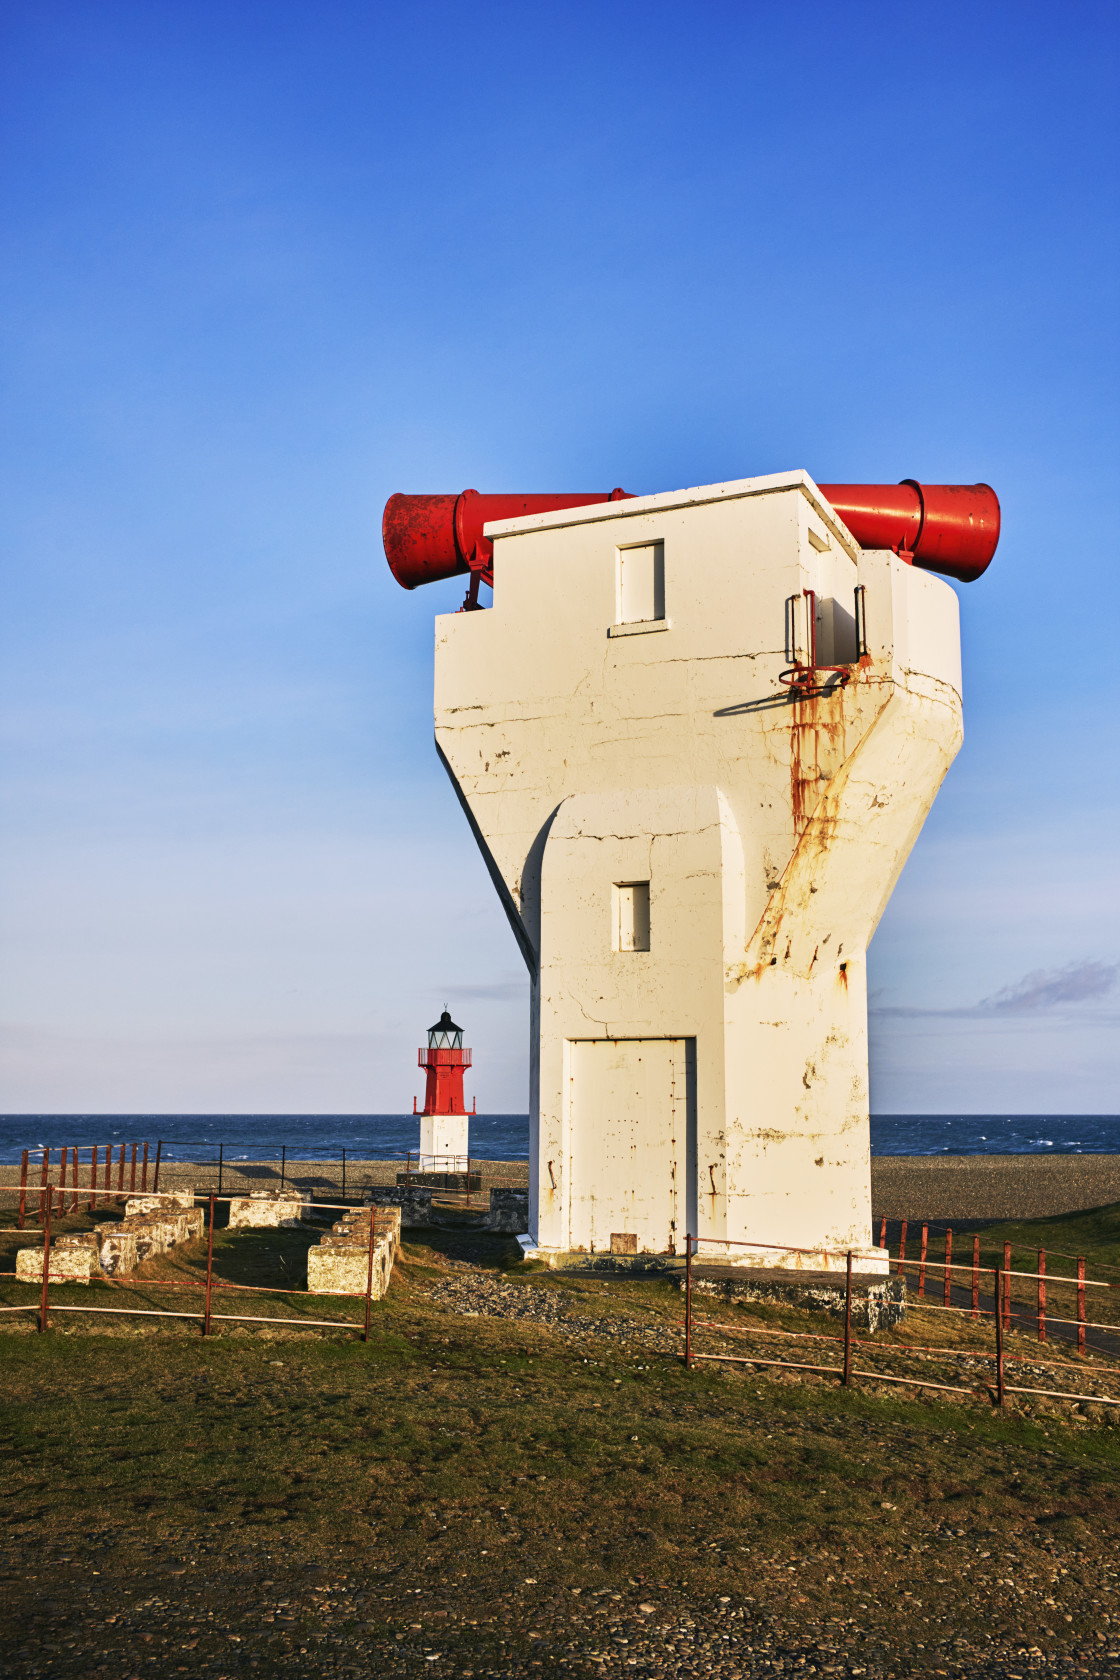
x=444 y=1121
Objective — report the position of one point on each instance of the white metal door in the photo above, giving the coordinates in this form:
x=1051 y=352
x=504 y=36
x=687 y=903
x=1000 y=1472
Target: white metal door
x=631 y=1105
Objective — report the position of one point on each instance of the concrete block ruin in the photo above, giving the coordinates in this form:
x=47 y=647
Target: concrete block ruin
x=161 y=1230
x=267 y=1210
x=74 y=1259
x=467 y=1182
x=507 y=1210
x=152 y=1225
x=118 y=1250
x=696 y=737
x=340 y=1263
x=136 y=1206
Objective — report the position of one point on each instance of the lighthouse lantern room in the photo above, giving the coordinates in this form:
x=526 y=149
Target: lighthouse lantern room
x=444 y=1121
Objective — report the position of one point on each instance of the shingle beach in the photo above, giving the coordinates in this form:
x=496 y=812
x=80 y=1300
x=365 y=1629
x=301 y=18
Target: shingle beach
x=991 y=1186
x=950 y=1187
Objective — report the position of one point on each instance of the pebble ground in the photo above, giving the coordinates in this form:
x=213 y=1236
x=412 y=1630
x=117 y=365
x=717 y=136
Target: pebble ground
x=465 y=1578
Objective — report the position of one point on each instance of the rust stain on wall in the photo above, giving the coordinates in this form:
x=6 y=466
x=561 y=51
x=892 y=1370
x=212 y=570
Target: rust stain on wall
x=817 y=749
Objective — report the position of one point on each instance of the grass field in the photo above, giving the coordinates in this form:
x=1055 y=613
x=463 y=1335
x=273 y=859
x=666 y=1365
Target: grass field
x=543 y=1492
x=1095 y=1234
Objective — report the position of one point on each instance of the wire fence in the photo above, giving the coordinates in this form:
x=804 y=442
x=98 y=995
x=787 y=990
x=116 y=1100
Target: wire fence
x=228 y=1168
x=222 y=1167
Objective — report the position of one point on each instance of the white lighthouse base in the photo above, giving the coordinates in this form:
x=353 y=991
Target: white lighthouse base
x=444 y=1137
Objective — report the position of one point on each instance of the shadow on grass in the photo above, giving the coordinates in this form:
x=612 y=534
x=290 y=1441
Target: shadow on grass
x=474 y=1248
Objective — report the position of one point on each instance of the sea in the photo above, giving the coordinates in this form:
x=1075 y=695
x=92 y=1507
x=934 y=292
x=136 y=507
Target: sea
x=505 y=1137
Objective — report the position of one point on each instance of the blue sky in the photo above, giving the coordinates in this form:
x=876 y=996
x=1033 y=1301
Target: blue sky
x=265 y=264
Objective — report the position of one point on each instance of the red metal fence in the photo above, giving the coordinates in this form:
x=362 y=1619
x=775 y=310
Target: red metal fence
x=53 y=1202
x=845 y=1372
x=101 y=1166
x=211 y=1285
x=1040 y=1277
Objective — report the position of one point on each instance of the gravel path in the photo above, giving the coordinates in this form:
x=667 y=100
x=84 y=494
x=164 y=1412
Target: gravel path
x=733 y=1640
x=269 y=1621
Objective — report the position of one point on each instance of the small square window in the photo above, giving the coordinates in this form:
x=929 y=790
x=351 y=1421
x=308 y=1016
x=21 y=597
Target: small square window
x=641 y=583
x=631 y=916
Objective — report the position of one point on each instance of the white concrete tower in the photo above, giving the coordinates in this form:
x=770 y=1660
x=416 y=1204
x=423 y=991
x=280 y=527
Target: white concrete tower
x=694 y=841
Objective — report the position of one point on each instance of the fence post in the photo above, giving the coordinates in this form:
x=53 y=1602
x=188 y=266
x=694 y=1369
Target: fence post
x=922 y=1264
x=902 y=1249
x=120 y=1170
x=1007 y=1286
x=132 y=1176
x=344 y=1175
x=1042 y=1294
x=948 y=1265
x=883 y=1232
x=22 y=1189
x=847 y=1378
x=155 y=1178
x=42 y=1183
x=1081 y=1303
x=221 y=1162
x=369 y=1271
x=998 y=1315
x=283 y=1164
x=144 y=1171
x=74 y=1180
x=46 y=1265
x=93 y=1178
x=209 y=1268
x=975 y=1278
x=688 y=1302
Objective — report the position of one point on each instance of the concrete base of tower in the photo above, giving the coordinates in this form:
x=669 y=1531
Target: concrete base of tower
x=579 y=1258
x=866 y=1262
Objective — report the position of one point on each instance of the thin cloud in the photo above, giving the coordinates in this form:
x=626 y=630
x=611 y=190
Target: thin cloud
x=1048 y=988
x=1041 y=990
